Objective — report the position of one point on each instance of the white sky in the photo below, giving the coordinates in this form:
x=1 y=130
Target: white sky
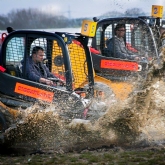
x=79 y=8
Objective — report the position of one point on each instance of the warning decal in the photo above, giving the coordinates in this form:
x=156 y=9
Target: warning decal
x=34 y=92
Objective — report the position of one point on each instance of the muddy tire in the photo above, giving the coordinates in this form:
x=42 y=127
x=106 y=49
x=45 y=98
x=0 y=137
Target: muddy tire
x=101 y=103
x=107 y=92
x=3 y=125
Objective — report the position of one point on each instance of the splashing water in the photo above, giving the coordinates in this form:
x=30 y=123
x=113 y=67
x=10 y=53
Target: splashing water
x=137 y=121
x=140 y=120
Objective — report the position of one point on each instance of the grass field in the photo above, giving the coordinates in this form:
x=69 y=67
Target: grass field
x=150 y=156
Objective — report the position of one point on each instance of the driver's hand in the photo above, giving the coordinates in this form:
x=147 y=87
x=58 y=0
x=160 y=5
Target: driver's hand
x=46 y=81
x=62 y=83
x=49 y=82
x=137 y=58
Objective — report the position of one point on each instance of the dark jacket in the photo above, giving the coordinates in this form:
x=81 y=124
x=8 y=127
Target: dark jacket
x=36 y=71
x=119 y=50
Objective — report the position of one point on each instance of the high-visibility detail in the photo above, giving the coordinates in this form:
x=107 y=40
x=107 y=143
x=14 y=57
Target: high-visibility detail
x=119 y=65
x=34 y=92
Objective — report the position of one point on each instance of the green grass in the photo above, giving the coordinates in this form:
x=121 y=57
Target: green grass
x=143 y=157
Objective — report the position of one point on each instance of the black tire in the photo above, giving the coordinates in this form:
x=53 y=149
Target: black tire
x=3 y=125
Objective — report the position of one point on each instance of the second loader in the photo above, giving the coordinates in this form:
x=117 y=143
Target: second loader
x=142 y=37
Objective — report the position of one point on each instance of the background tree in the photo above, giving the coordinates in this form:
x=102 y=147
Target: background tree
x=134 y=12
x=34 y=18
x=112 y=14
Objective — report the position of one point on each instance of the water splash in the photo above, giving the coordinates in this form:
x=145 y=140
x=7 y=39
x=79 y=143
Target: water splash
x=136 y=121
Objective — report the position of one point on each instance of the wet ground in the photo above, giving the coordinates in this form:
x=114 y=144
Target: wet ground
x=130 y=132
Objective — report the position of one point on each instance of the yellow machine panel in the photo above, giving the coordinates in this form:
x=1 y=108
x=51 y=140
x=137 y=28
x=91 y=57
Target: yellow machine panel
x=57 y=69
x=88 y=28
x=78 y=63
x=157 y=11
x=121 y=89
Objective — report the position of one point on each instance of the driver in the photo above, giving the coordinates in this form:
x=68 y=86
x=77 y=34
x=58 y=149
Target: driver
x=117 y=47
x=36 y=70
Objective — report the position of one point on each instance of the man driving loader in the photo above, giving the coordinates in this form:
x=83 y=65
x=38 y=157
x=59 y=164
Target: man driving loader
x=36 y=70
x=116 y=45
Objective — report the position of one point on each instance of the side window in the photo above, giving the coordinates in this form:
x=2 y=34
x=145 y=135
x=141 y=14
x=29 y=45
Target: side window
x=98 y=36
x=144 y=42
x=108 y=32
x=15 y=50
x=14 y=54
x=128 y=33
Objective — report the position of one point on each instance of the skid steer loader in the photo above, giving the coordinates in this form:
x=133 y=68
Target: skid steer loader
x=142 y=37
x=63 y=58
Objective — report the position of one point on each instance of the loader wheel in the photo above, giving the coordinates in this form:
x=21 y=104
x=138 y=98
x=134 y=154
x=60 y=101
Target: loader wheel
x=103 y=92
x=3 y=125
x=103 y=100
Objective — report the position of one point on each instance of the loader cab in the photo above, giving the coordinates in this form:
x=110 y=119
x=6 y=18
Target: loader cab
x=139 y=39
x=16 y=49
x=18 y=46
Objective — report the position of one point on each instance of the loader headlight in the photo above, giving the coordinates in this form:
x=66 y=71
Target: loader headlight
x=58 y=60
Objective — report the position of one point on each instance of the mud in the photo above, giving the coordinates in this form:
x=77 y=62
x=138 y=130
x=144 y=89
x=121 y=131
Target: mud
x=136 y=122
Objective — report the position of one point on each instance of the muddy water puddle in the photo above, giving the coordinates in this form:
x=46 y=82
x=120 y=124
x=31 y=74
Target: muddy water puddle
x=136 y=122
